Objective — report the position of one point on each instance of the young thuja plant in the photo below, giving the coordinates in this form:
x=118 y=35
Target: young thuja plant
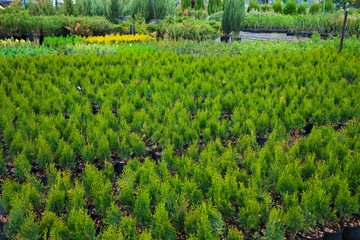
x=162 y=228
x=275 y=229
x=142 y=207
x=128 y=227
x=59 y=230
x=81 y=225
x=65 y=155
x=137 y=145
x=44 y=156
x=345 y=204
x=88 y=153
x=113 y=216
x=235 y=234
x=293 y=217
x=3 y=168
x=29 y=229
x=76 y=197
x=103 y=151
x=22 y=166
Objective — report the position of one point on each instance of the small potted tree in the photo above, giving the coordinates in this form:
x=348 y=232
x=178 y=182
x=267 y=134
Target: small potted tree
x=234 y=14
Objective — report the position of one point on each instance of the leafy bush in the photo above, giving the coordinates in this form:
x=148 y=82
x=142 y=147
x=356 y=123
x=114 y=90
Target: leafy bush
x=22 y=166
x=265 y=8
x=253 y=5
x=162 y=228
x=216 y=16
x=290 y=8
x=142 y=207
x=277 y=7
x=234 y=14
x=301 y=8
x=314 y=8
x=215 y=6
x=80 y=225
x=329 y=7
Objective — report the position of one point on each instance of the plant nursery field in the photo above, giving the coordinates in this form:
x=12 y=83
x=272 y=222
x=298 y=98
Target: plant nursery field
x=161 y=145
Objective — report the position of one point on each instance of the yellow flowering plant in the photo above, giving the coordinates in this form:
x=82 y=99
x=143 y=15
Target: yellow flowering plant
x=115 y=39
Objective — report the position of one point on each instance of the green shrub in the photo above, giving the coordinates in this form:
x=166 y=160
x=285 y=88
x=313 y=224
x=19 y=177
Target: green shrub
x=234 y=15
x=329 y=7
x=275 y=229
x=301 y=8
x=265 y=8
x=215 y=6
x=216 y=16
x=59 y=230
x=80 y=225
x=290 y=8
x=65 y=155
x=88 y=153
x=113 y=216
x=22 y=166
x=137 y=145
x=162 y=228
x=345 y=204
x=103 y=151
x=142 y=207
x=29 y=229
x=76 y=197
x=277 y=7
x=128 y=227
x=199 y=5
x=3 y=168
x=314 y=8
x=253 y=5
x=44 y=156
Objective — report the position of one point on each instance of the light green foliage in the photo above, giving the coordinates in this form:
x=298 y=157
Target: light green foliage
x=275 y=229
x=234 y=15
x=235 y=234
x=277 y=7
x=128 y=227
x=137 y=145
x=103 y=151
x=80 y=225
x=215 y=6
x=22 y=166
x=290 y=8
x=29 y=229
x=314 y=8
x=301 y=8
x=59 y=230
x=3 y=168
x=65 y=155
x=162 y=228
x=114 y=216
x=142 y=207
x=44 y=156
x=345 y=204
x=253 y=5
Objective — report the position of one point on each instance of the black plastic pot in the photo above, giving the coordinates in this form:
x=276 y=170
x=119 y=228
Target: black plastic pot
x=119 y=167
x=225 y=39
x=154 y=21
x=236 y=39
x=334 y=235
x=352 y=233
x=301 y=237
x=34 y=38
x=304 y=33
x=123 y=18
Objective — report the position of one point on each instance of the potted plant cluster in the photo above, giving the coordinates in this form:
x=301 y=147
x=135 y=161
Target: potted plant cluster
x=234 y=15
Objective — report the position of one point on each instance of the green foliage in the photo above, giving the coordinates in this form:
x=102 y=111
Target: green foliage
x=314 y=8
x=65 y=155
x=345 y=204
x=253 y=5
x=234 y=14
x=290 y=8
x=29 y=229
x=275 y=227
x=80 y=225
x=128 y=227
x=199 y=5
x=69 y=7
x=301 y=8
x=329 y=7
x=277 y=7
x=137 y=145
x=44 y=156
x=142 y=207
x=3 y=168
x=162 y=228
x=217 y=16
x=103 y=151
x=22 y=166
x=265 y=8
x=186 y=4
x=235 y=234
x=215 y=6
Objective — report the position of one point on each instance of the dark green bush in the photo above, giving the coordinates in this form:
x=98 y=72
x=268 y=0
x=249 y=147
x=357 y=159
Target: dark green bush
x=277 y=7
x=290 y=8
x=314 y=8
x=265 y=8
x=253 y=5
x=329 y=7
x=234 y=15
x=301 y=8
x=216 y=16
x=215 y=6
x=80 y=225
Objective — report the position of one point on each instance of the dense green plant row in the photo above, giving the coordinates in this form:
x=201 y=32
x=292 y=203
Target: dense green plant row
x=67 y=122
x=73 y=45
x=329 y=23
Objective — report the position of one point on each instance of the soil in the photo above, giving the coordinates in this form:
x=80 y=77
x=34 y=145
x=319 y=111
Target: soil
x=332 y=227
x=352 y=222
x=313 y=233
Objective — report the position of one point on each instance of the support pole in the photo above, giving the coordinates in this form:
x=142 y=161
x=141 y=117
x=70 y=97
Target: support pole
x=24 y=5
x=343 y=29
x=324 y=7
x=154 y=9
x=56 y=4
